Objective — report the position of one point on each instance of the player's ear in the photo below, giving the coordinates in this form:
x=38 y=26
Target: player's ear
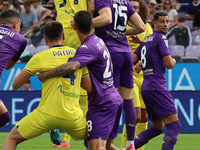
x=92 y=25
x=75 y=27
x=63 y=35
x=46 y=40
x=14 y=26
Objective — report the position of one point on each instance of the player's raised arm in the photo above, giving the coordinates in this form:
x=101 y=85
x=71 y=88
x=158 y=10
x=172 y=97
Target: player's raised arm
x=139 y=25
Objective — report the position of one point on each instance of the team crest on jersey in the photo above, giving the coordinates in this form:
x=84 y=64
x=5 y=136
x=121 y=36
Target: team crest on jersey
x=166 y=43
x=84 y=46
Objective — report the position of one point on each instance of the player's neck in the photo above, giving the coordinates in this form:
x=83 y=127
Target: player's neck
x=51 y=44
x=82 y=37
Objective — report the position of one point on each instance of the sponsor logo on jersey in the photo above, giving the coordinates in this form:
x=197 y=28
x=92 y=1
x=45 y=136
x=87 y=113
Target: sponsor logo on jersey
x=68 y=94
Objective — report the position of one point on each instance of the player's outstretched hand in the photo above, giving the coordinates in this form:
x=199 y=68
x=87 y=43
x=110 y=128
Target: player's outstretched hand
x=134 y=39
x=138 y=67
x=41 y=77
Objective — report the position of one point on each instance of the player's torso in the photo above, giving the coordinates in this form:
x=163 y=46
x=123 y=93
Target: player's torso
x=60 y=92
x=116 y=31
x=101 y=72
x=153 y=65
x=67 y=7
x=9 y=45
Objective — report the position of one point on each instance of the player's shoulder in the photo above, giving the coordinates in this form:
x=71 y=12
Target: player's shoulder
x=159 y=36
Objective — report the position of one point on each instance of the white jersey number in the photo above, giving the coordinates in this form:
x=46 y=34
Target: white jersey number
x=119 y=13
x=107 y=73
x=143 y=58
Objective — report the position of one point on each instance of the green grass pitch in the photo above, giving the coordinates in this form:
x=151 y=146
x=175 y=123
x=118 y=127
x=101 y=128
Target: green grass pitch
x=185 y=142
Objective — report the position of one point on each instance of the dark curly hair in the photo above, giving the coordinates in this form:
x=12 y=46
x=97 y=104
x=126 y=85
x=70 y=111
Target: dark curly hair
x=144 y=10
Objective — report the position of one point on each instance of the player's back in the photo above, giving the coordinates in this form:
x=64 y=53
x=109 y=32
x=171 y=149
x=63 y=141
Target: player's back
x=151 y=53
x=10 y=43
x=94 y=53
x=67 y=7
x=114 y=34
x=60 y=95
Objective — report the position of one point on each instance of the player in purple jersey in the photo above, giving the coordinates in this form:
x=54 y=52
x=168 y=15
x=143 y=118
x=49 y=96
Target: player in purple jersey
x=12 y=44
x=105 y=103
x=110 y=25
x=155 y=57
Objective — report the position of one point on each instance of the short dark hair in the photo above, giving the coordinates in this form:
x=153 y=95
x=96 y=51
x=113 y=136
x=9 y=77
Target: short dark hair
x=83 y=21
x=53 y=30
x=8 y=17
x=181 y=19
x=157 y=15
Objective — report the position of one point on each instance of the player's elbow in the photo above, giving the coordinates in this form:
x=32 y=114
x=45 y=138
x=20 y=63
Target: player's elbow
x=14 y=85
x=142 y=27
x=108 y=20
x=170 y=65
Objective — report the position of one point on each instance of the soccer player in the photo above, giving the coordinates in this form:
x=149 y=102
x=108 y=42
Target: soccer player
x=155 y=56
x=141 y=8
x=104 y=102
x=12 y=44
x=59 y=105
x=110 y=25
x=64 y=11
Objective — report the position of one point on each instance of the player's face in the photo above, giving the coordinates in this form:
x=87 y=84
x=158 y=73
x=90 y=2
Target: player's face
x=162 y=24
x=136 y=6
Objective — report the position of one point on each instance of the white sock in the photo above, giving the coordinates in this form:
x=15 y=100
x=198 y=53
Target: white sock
x=128 y=143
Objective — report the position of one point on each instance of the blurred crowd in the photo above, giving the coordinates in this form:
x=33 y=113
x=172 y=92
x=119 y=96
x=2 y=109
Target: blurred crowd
x=184 y=21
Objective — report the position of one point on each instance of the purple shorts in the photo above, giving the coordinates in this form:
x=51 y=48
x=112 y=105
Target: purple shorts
x=103 y=123
x=122 y=69
x=159 y=104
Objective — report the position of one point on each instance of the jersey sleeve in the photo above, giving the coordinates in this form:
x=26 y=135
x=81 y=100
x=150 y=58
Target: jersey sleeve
x=163 y=46
x=85 y=55
x=149 y=30
x=85 y=72
x=34 y=65
x=100 y=4
x=21 y=49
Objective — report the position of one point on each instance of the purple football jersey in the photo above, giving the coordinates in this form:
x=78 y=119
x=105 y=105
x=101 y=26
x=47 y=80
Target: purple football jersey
x=151 y=53
x=94 y=53
x=114 y=34
x=12 y=44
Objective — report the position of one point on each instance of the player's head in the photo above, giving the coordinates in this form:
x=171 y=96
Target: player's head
x=141 y=8
x=10 y=18
x=83 y=21
x=161 y=22
x=53 y=31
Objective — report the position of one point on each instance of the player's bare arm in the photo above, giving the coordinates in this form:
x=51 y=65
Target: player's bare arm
x=86 y=84
x=104 y=18
x=62 y=70
x=139 y=25
x=21 y=79
x=169 y=61
x=10 y=64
